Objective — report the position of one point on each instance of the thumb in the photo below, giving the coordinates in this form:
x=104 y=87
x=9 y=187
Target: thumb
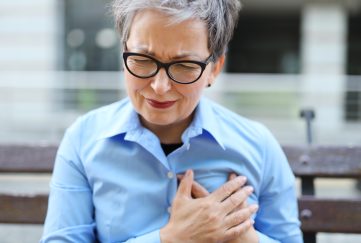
x=198 y=191
x=185 y=185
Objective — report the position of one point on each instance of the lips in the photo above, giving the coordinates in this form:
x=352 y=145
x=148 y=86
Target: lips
x=160 y=104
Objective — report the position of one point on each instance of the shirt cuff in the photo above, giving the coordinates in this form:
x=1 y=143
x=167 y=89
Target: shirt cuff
x=79 y=234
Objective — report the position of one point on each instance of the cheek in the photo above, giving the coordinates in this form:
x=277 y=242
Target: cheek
x=193 y=92
x=133 y=84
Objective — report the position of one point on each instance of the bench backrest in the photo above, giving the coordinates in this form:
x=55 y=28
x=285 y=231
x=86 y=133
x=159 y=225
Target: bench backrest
x=25 y=208
x=332 y=214
x=340 y=215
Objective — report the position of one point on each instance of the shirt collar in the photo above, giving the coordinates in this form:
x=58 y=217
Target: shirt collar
x=126 y=119
x=205 y=120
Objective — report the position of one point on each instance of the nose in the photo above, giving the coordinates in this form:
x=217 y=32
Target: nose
x=161 y=83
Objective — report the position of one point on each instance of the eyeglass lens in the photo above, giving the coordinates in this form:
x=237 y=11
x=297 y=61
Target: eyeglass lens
x=183 y=72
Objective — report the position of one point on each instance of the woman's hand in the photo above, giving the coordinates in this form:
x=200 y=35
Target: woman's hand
x=212 y=217
x=250 y=236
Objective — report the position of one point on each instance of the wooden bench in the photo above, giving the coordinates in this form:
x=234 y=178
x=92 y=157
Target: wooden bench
x=336 y=215
x=21 y=159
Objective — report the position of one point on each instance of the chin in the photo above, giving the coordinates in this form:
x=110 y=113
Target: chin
x=159 y=121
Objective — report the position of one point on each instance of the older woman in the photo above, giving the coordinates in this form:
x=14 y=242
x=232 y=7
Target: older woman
x=160 y=165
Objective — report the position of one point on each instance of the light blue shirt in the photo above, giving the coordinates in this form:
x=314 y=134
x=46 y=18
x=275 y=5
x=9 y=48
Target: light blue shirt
x=112 y=181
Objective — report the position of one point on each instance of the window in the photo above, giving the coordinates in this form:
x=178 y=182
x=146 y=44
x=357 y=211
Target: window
x=265 y=44
x=353 y=94
x=90 y=43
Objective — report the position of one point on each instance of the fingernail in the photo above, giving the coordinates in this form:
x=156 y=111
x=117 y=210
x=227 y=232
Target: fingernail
x=252 y=221
x=249 y=189
x=242 y=179
x=254 y=207
x=188 y=172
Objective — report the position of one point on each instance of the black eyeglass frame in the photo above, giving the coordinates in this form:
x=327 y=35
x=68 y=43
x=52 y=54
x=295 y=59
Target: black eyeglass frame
x=165 y=65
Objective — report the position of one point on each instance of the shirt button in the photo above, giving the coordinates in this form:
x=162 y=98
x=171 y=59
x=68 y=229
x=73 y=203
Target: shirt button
x=170 y=175
x=169 y=209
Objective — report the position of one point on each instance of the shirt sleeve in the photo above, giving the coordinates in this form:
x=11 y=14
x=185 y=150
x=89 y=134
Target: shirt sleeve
x=151 y=237
x=70 y=208
x=262 y=238
x=277 y=217
x=266 y=239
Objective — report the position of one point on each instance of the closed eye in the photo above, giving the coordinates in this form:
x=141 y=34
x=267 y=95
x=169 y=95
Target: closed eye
x=186 y=66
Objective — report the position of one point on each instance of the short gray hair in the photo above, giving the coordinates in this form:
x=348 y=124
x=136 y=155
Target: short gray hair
x=220 y=17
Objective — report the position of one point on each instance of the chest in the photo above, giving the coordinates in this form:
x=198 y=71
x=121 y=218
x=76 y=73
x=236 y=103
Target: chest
x=133 y=191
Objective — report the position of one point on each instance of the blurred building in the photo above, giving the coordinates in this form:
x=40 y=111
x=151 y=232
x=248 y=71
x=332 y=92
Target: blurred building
x=60 y=58
x=318 y=39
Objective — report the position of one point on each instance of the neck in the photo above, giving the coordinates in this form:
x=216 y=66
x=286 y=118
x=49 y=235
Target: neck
x=168 y=134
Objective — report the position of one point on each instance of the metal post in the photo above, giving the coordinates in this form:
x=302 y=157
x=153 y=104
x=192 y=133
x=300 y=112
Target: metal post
x=307 y=183
x=308 y=115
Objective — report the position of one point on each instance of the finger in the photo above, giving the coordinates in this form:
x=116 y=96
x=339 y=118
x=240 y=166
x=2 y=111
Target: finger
x=228 y=188
x=179 y=178
x=236 y=199
x=198 y=191
x=244 y=204
x=185 y=185
x=231 y=176
x=238 y=230
x=239 y=207
x=240 y=216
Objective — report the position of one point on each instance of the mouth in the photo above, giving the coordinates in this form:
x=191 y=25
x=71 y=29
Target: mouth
x=160 y=104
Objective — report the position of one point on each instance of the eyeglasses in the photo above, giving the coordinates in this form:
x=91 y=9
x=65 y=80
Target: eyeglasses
x=183 y=72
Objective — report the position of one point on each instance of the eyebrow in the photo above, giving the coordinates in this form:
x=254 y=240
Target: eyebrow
x=144 y=50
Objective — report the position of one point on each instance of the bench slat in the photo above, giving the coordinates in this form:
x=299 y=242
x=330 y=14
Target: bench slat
x=314 y=161
x=330 y=215
x=317 y=214
x=23 y=209
x=27 y=158
x=325 y=161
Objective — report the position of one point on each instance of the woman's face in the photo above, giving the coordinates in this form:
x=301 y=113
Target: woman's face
x=159 y=100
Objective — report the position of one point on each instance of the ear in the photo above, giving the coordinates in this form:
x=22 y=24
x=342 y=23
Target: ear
x=216 y=69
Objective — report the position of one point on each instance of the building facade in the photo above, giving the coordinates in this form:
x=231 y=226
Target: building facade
x=61 y=58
